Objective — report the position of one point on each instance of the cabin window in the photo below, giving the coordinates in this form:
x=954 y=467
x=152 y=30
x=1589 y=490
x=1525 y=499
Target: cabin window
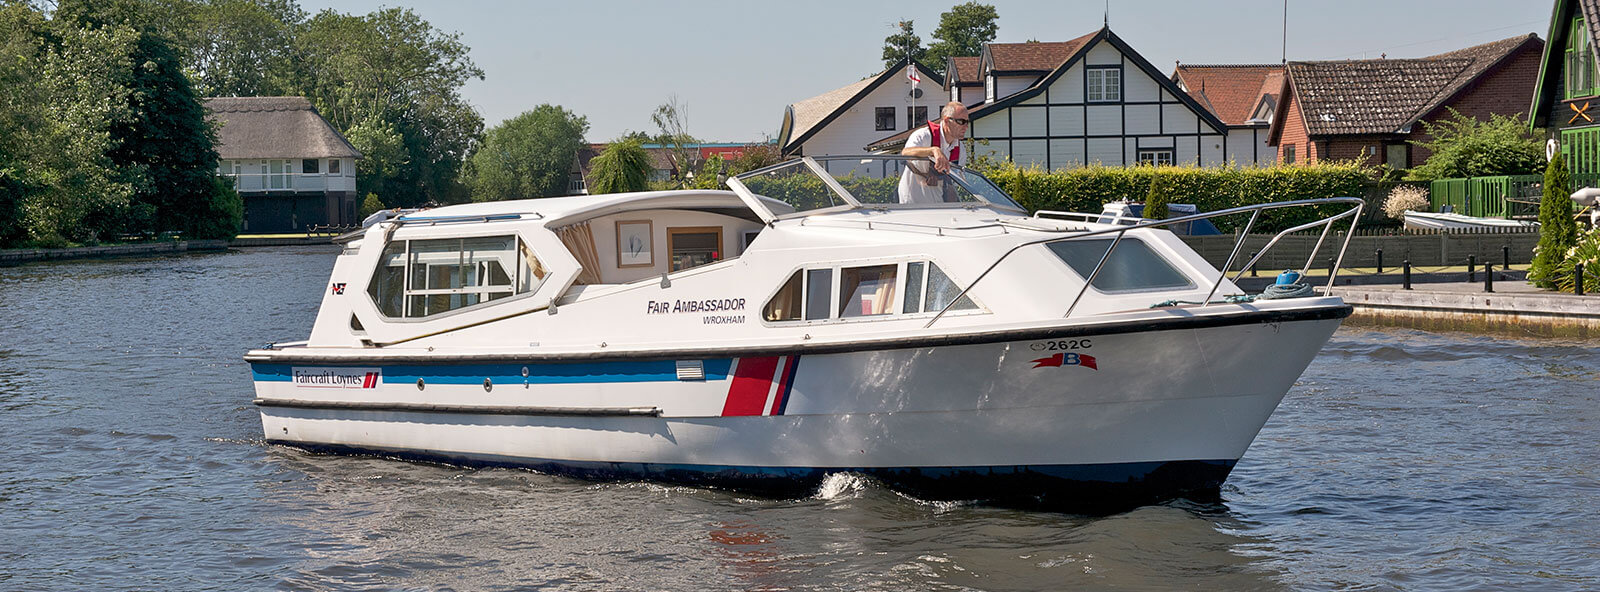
x=694 y=246
x=940 y=291
x=819 y=293
x=1132 y=266
x=1580 y=64
x=1104 y=85
x=866 y=291
x=333 y=166
x=422 y=278
x=785 y=305
x=885 y=118
x=308 y=165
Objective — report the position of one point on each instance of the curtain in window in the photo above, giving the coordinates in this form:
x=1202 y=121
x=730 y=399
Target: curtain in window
x=579 y=239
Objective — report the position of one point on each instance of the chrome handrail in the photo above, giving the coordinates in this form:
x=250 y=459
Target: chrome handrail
x=1354 y=213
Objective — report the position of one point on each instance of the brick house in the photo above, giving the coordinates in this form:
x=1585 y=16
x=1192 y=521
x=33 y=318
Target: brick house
x=291 y=168
x=1566 y=99
x=1371 y=110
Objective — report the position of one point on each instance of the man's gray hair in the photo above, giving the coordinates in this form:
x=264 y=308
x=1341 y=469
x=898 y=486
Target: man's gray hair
x=950 y=109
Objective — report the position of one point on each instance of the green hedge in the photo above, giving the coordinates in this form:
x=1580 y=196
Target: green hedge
x=1210 y=189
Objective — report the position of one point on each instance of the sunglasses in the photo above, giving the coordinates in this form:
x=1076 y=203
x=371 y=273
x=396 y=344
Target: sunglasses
x=958 y=120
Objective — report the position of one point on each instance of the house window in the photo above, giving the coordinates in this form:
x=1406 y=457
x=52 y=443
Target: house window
x=1580 y=61
x=1397 y=156
x=1159 y=157
x=694 y=246
x=308 y=165
x=333 y=166
x=916 y=116
x=1105 y=85
x=1288 y=154
x=885 y=117
x=988 y=88
x=955 y=94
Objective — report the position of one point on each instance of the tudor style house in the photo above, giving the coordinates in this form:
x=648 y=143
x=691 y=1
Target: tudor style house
x=1089 y=100
x=1566 y=99
x=290 y=166
x=843 y=120
x=1244 y=97
x=1372 y=110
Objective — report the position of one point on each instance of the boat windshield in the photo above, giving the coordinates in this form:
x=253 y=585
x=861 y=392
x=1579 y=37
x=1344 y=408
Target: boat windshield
x=810 y=185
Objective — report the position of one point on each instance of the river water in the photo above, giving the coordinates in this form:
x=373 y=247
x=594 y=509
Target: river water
x=133 y=460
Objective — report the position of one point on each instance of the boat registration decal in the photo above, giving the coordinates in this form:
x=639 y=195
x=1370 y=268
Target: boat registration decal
x=760 y=386
x=336 y=378
x=1067 y=359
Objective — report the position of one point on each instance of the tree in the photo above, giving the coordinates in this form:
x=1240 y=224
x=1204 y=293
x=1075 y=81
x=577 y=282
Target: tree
x=623 y=166
x=371 y=205
x=530 y=155
x=673 y=121
x=755 y=156
x=392 y=81
x=1466 y=147
x=239 y=48
x=901 y=45
x=963 y=31
x=1155 y=202
x=1557 y=231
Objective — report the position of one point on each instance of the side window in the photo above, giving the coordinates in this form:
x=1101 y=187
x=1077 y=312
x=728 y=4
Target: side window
x=422 y=278
x=819 y=292
x=694 y=246
x=1132 y=266
x=866 y=291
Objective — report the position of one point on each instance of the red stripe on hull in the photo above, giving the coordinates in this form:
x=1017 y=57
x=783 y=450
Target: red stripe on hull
x=752 y=381
x=783 y=386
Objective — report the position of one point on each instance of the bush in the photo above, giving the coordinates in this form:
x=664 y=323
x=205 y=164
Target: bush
x=1586 y=253
x=221 y=216
x=371 y=205
x=1405 y=198
x=1466 y=147
x=1557 y=231
x=1086 y=189
x=622 y=167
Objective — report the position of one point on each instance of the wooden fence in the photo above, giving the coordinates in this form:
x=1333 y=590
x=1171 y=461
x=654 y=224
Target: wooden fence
x=1430 y=248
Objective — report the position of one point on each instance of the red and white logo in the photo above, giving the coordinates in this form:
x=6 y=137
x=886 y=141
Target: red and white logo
x=337 y=378
x=1066 y=359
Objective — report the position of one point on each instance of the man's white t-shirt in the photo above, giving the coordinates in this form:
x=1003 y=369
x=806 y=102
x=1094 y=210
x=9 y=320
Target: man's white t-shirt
x=913 y=188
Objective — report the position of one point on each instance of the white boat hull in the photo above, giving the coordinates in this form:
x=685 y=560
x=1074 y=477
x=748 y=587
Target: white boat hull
x=1120 y=413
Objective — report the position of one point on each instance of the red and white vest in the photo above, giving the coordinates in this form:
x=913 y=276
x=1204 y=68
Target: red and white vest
x=955 y=151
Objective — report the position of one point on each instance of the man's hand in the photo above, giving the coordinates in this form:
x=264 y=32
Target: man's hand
x=941 y=163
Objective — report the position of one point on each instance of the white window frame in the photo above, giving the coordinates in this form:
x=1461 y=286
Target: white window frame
x=1153 y=156
x=1103 y=84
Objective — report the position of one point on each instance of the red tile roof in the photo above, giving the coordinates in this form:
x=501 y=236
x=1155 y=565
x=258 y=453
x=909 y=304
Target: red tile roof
x=1038 y=56
x=964 y=70
x=1231 y=92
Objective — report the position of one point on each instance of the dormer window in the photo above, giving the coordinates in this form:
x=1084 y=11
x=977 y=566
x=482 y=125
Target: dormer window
x=988 y=88
x=1104 y=84
x=1580 y=64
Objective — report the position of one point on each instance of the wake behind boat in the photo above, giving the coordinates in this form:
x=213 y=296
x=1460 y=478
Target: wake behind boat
x=802 y=324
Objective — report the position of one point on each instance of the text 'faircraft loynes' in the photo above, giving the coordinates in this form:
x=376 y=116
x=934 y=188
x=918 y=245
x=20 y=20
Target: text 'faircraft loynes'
x=806 y=322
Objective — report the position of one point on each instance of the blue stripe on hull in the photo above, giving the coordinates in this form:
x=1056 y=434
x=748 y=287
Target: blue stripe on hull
x=559 y=373
x=1097 y=488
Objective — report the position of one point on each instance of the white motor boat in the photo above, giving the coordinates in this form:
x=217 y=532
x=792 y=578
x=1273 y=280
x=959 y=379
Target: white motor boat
x=1453 y=221
x=804 y=323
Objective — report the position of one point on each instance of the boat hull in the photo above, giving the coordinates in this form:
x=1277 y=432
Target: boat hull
x=1082 y=419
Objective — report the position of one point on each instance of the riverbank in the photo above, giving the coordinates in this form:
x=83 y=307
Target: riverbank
x=9 y=257
x=1514 y=308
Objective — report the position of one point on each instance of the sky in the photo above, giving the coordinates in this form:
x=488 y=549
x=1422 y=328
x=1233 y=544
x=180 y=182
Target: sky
x=734 y=66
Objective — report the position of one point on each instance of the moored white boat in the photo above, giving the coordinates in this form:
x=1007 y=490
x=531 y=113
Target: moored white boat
x=1452 y=221
x=802 y=324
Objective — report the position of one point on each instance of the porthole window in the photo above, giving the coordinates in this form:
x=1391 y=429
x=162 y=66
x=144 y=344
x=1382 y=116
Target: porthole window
x=423 y=278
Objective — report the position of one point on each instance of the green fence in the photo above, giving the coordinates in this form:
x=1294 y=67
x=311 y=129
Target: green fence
x=1484 y=196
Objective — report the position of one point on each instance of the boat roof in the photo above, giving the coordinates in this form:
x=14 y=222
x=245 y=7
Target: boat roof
x=559 y=211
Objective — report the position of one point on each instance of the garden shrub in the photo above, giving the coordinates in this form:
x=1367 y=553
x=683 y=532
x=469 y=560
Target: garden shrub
x=1405 y=198
x=1587 y=254
x=1557 y=231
